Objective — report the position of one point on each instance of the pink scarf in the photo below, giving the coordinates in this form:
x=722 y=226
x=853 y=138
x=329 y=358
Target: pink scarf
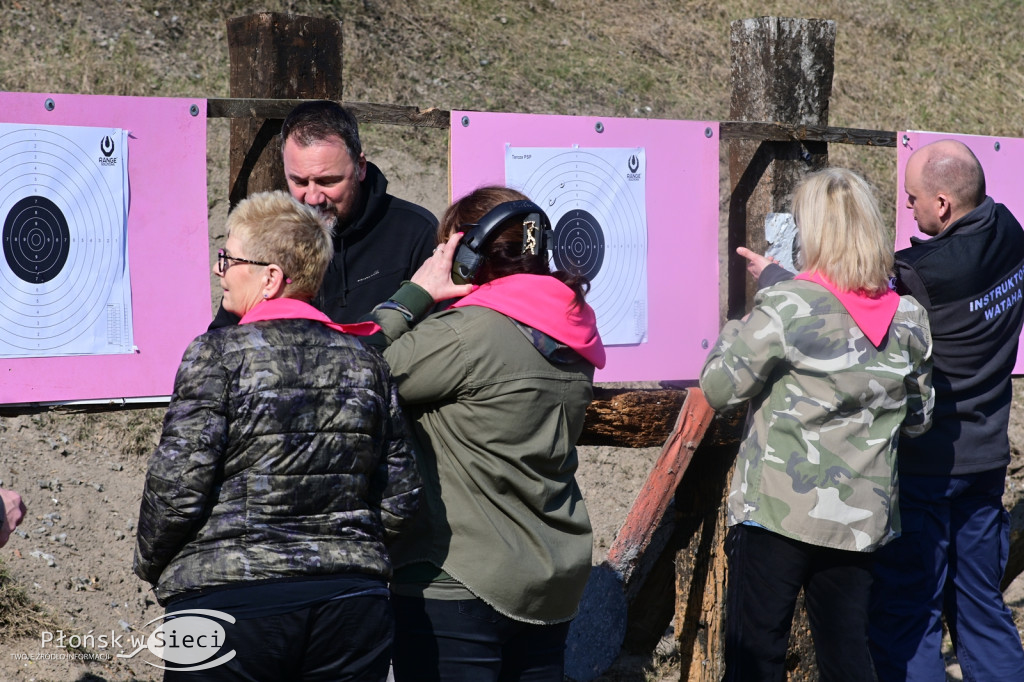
x=294 y=309
x=544 y=303
x=872 y=315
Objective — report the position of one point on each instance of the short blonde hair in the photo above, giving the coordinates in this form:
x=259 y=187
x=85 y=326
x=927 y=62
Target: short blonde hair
x=841 y=231
x=275 y=228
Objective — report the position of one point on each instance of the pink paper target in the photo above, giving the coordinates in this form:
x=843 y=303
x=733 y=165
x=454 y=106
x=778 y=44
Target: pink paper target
x=682 y=220
x=167 y=242
x=1002 y=159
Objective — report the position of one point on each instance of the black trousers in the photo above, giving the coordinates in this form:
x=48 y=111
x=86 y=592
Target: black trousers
x=766 y=573
x=342 y=639
x=468 y=641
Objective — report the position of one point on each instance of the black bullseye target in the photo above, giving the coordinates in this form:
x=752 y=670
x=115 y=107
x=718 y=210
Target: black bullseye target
x=579 y=244
x=36 y=240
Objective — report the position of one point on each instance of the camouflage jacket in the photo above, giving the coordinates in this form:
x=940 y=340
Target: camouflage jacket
x=283 y=456
x=817 y=461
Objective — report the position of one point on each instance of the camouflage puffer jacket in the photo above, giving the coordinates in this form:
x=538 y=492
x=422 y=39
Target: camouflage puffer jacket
x=817 y=462
x=283 y=455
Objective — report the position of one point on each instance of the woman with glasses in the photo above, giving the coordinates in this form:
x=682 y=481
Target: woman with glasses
x=282 y=466
x=835 y=366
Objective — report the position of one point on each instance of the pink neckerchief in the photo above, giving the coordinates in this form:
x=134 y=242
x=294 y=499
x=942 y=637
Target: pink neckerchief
x=544 y=303
x=872 y=314
x=294 y=309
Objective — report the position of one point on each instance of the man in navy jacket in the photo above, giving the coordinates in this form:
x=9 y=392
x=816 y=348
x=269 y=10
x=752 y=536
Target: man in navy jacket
x=969 y=275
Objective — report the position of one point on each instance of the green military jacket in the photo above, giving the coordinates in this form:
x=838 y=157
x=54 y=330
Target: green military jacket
x=817 y=461
x=497 y=425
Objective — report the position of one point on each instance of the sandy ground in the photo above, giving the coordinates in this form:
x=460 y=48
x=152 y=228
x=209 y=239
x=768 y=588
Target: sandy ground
x=74 y=551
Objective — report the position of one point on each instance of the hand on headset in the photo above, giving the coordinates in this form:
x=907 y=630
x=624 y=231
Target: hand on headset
x=435 y=275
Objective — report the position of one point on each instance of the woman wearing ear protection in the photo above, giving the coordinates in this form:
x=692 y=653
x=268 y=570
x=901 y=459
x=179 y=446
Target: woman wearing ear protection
x=490 y=572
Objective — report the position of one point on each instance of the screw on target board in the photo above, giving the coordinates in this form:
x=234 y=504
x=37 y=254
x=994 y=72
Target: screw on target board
x=194 y=110
x=465 y=121
x=704 y=344
x=708 y=132
x=49 y=104
x=599 y=127
x=996 y=146
x=905 y=140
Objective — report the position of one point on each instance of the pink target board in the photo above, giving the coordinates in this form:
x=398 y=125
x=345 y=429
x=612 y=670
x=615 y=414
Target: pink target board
x=104 y=276
x=634 y=207
x=1002 y=159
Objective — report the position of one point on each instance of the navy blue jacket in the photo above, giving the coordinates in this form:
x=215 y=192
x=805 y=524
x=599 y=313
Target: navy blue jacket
x=970 y=279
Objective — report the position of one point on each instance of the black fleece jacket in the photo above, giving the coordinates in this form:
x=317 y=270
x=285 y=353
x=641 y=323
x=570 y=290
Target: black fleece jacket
x=970 y=279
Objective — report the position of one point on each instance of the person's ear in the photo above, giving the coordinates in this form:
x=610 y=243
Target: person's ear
x=274 y=282
x=945 y=207
x=361 y=164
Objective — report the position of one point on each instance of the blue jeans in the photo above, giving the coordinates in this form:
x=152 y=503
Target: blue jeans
x=468 y=641
x=950 y=559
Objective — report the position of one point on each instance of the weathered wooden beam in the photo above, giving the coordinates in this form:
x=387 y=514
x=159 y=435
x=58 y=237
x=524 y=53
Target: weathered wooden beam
x=632 y=418
x=275 y=56
x=365 y=112
x=393 y=114
x=781 y=71
x=599 y=630
x=790 y=132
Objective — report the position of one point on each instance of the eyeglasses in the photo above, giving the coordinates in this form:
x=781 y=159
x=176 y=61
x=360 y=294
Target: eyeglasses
x=224 y=261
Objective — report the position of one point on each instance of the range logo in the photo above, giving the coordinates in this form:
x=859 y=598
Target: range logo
x=107 y=149
x=634 y=166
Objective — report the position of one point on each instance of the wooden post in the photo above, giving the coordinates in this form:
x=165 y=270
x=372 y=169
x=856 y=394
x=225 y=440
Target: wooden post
x=278 y=56
x=781 y=72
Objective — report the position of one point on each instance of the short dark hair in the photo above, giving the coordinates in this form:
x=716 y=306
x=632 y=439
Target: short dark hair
x=319 y=120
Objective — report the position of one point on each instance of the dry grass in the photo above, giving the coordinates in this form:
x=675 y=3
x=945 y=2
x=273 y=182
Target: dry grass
x=19 y=615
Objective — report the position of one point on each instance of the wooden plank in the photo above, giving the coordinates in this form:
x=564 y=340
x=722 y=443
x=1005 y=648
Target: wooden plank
x=432 y=117
x=788 y=132
x=634 y=537
x=597 y=633
x=365 y=112
x=631 y=418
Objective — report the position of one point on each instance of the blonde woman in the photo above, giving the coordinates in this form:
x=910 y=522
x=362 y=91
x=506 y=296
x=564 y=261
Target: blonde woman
x=835 y=366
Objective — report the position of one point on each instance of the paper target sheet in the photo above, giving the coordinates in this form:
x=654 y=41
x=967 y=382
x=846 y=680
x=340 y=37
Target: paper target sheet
x=596 y=201
x=64 y=283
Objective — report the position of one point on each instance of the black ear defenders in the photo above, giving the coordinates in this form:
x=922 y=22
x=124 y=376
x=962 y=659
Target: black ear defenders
x=469 y=256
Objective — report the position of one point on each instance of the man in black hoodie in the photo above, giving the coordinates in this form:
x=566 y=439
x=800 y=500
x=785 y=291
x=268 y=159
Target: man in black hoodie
x=379 y=240
x=950 y=558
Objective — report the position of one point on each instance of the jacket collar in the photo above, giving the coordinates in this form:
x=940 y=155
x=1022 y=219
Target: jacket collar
x=980 y=217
